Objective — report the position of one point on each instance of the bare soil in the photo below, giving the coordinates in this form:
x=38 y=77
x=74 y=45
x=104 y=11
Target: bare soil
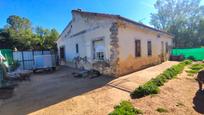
x=59 y=93
x=179 y=96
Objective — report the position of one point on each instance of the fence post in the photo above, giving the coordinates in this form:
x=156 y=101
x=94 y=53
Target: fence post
x=33 y=58
x=23 y=60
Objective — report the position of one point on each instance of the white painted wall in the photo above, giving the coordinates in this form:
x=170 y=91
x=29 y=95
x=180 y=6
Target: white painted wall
x=129 y=33
x=97 y=27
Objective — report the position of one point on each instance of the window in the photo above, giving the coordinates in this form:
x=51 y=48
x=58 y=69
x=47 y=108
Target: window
x=100 y=55
x=99 y=49
x=77 y=48
x=137 y=48
x=162 y=48
x=167 y=47
x=149 y=48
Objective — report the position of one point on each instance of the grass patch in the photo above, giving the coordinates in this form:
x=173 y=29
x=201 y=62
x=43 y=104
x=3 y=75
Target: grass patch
x=152 y=86
x=190 y=74
x=125 y=108
x=161 y=110
x=197 y=66
x=194 y=68
x=192 y=71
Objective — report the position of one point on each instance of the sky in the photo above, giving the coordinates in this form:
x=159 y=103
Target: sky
x=57 y=13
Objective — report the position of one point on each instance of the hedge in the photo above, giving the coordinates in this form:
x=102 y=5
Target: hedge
x=152 y=86
x=125 y=108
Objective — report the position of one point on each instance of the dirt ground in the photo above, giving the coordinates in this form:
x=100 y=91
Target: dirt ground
x=59 y=93
x=179 y=96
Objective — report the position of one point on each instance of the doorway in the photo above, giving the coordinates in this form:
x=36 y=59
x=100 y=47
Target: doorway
x=62 y=55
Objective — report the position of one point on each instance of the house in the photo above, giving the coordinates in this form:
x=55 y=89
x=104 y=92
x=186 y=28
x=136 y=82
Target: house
x=111 y=44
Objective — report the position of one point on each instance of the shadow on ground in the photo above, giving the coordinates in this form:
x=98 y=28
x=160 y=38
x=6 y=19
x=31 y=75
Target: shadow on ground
x=198 y=102
x=46 y=89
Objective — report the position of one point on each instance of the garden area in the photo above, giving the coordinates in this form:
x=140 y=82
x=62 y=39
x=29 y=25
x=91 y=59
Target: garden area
x=168 y=89
x=175 y=91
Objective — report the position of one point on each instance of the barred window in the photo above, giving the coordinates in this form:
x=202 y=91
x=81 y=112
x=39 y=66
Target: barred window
x=137 y=48
x=149 y=48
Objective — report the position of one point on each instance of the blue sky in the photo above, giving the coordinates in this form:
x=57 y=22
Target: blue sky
x=57 y=13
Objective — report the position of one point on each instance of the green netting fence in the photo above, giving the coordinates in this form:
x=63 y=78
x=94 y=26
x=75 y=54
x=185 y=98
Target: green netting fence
x=8 y=54
x=195 y=53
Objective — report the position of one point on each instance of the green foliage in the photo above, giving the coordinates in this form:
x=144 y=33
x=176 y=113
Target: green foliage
x=190 y=74
x=187 y=62
x=161 y=110
x=183 y=19
x=152 y=86
x=19 y=33
x=194 y=68
x=197 y=66
x=125 y=108
x=146 y=89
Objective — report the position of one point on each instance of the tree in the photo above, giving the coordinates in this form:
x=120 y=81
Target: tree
x=5 y=40
x=19 y=29
x=18 y=33
x=47 y=38
x=17 y=23
x=180 y=18
x=201 y=32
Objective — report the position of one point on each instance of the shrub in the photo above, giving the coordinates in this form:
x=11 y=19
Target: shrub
x=161 y=110
x=192 y=71
x=197 y=66
x=148 y=88
x=191 y=58
x=152 y=86
x=160 y=80
x=187 y=62
x=125 y=108
x=190 y=74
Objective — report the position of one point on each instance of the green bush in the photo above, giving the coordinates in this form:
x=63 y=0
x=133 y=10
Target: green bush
x=160 y=80
x=187 y=62
x=125 y=108
x=194 y=68
x=192 y=71
x=152 y=86
x=197 y=66
x=148 y=88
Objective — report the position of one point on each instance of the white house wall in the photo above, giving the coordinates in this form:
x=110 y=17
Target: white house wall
x=96 y=28
x=119 y=39
x=127 y=36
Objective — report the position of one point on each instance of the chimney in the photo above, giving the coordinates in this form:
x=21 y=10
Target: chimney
x=78 y=9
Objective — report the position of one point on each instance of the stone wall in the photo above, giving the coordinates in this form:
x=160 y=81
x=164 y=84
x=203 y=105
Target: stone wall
x=114 y=50
x=110 y=67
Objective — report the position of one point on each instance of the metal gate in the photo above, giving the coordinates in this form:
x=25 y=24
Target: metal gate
x=26 y=58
